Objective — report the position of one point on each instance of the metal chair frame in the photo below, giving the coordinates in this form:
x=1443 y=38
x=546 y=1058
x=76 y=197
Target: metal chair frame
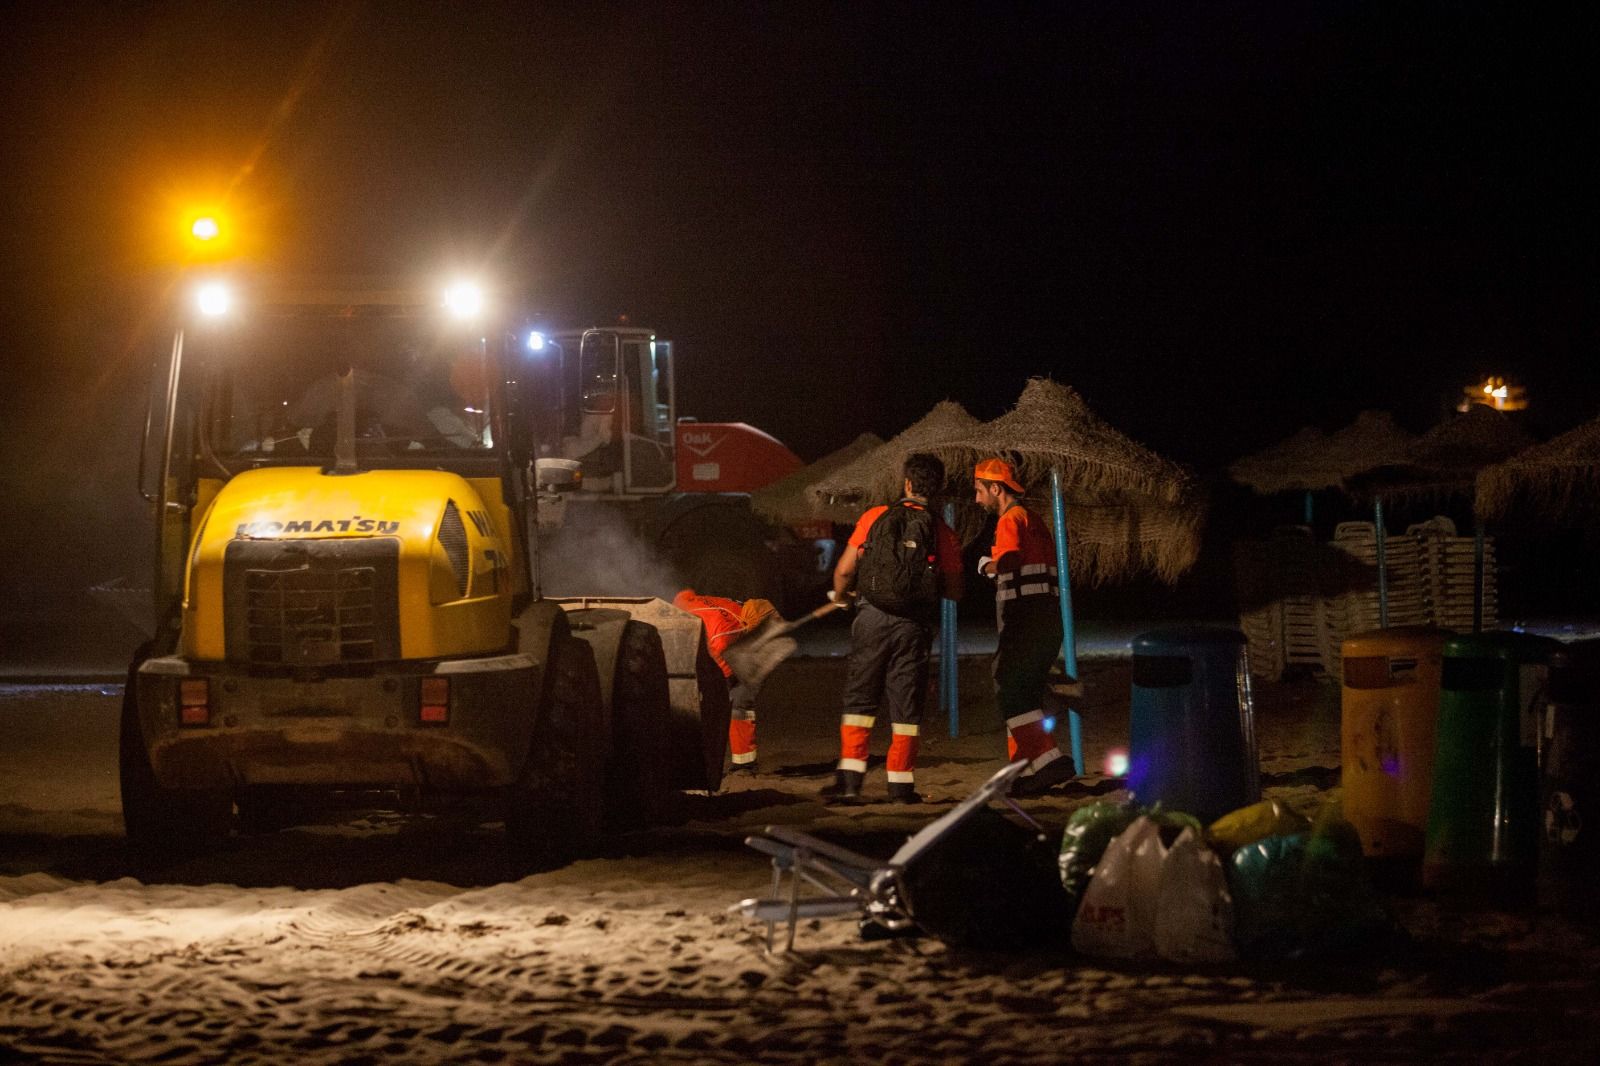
x=851 y=883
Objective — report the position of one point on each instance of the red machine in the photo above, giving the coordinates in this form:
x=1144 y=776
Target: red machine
x=681 y=487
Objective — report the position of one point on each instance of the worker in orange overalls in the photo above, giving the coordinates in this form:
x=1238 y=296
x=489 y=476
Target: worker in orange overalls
x=1022 y=563
x=727 y=621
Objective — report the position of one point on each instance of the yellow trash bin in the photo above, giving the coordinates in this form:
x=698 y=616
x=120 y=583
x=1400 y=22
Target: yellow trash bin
x=1390 y=708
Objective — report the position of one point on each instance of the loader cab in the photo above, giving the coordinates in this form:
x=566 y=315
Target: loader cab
x=343 y=379
x=611 y=393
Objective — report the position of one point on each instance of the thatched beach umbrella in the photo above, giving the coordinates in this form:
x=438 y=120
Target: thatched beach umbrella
x=1312 y=460
x=789 y=500
x=1131 y=509
x=1554 y=478
x=875 y=477
x=1442 y=462
x=1445 y=460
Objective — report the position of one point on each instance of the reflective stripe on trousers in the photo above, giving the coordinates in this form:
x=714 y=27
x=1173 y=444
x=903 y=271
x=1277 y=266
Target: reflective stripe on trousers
x=742 y=740
x=855 y=733
x=903 y=753
x=1026 y=739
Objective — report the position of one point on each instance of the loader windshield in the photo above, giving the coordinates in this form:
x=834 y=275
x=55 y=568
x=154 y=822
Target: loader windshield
x=419 y=392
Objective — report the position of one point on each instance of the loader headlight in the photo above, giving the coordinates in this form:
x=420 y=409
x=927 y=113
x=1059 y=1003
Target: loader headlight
x=213 y=298
x=537 y=341
x=464 y=299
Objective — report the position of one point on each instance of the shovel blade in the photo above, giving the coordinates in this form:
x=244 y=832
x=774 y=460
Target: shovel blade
x=753 y=659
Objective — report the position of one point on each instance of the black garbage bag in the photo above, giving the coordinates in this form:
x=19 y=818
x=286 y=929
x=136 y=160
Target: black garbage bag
x=990 y=884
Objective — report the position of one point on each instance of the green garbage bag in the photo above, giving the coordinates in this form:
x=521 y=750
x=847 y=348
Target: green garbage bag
x=1090 y=829
x=1305 y=895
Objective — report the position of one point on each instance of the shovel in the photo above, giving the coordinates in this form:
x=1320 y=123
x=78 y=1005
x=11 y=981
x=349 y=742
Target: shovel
x=757 y=655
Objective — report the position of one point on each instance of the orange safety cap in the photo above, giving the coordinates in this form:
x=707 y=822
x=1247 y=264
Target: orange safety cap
x=756 y=611
x=999 y=470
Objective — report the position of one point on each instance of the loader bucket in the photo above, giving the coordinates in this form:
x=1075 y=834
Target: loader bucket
x=698 y=692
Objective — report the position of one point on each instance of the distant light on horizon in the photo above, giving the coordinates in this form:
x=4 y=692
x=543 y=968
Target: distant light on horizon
x=205 y=228
x=1494 y=391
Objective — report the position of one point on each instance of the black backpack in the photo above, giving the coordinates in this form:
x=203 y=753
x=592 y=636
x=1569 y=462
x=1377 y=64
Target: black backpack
x=897 y=573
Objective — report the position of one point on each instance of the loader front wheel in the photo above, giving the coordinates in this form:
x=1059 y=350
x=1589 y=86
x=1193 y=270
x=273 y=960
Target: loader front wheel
x=554 y=809
x=641 y=710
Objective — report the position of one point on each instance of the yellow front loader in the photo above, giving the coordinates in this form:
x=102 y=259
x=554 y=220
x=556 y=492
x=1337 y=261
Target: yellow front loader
x=346 y=491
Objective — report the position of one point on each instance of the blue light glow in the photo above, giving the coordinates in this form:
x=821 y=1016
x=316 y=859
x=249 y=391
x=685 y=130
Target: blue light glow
x=536 y=341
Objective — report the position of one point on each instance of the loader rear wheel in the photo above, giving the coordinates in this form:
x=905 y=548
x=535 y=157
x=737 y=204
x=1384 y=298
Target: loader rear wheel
x=163 y=822
x=554 y=810
x=698 y=738
x=641 y=708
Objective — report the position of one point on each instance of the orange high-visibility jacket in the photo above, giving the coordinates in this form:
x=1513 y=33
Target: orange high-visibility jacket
x=721 y=618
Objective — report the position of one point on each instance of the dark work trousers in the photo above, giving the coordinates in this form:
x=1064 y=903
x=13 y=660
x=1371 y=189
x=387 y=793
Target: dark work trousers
x=888 y=666
x=1030 y=640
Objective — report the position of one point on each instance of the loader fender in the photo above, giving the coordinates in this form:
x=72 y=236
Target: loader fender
x=540 y=623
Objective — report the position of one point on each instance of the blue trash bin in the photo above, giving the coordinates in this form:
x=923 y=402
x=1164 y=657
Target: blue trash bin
x=1192 y=731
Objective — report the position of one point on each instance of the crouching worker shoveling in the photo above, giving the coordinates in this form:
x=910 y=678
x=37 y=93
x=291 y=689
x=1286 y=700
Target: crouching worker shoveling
x=727 y=623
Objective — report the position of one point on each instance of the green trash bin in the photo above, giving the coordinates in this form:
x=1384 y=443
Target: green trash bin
x=1483 y=818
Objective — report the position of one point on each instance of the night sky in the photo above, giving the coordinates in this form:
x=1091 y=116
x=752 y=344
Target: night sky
x=1218 y=221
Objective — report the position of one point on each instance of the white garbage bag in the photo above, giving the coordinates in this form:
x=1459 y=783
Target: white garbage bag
x=1194 y=910
x=1117 y=917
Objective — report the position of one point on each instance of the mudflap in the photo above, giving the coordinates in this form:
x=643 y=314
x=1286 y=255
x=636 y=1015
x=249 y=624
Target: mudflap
x=697 y=730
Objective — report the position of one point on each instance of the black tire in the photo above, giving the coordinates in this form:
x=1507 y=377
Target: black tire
x=162 y=822
x=554 y=810
x=698 y=739
x=637 y=773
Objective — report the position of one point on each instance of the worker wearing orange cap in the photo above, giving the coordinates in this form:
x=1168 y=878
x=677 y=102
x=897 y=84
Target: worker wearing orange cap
x=1028 y=615
x=726 y=622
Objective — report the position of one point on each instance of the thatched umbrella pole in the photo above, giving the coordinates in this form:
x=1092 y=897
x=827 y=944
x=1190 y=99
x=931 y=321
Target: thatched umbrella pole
x=1069 y=639
x=1383 y=562
x=949 y=672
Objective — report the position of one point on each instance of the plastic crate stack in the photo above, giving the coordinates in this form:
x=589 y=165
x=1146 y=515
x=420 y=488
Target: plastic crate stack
x=1299 y=583
x=1353 y=607
x=1277 y=584
x=1449 y=565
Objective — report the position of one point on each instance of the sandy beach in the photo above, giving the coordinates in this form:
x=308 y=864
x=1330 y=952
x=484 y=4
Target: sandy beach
x=412 y=938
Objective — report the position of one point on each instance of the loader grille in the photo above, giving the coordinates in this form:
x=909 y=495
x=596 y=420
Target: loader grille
x=311 y=602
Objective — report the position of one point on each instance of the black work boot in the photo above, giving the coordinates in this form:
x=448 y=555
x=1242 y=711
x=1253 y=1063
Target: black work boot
x=903 y=792
x=846 y=787
x=1058 y=771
